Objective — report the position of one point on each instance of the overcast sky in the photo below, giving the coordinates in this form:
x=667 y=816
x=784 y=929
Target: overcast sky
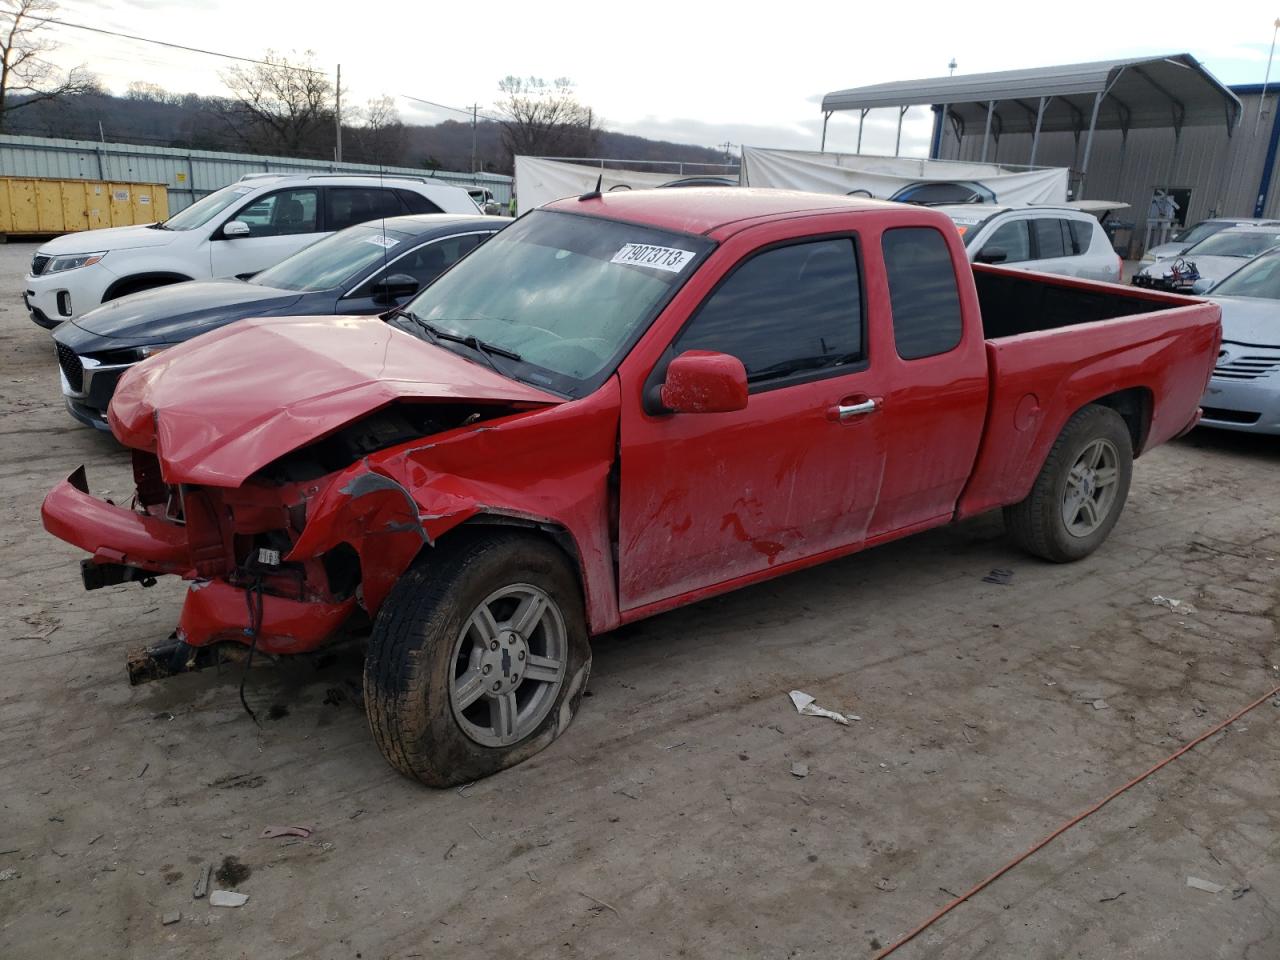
x=698 y=73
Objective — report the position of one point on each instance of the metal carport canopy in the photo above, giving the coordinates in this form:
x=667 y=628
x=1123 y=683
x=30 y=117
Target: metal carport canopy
x=1170 y=91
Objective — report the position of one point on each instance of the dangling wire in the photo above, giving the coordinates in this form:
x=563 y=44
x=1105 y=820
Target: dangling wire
x=254 y=628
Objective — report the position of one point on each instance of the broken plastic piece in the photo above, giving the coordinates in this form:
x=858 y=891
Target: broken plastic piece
x=201 y=886
x=799 y=770
x=1181 y=606
x=227 y=898
x=269 y=832
x=1208 y=886
x=805 y=705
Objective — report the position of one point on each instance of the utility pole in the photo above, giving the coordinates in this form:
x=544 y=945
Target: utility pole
x=952 y=67
x=475 y=107
x=728 y=157
x=337 y=116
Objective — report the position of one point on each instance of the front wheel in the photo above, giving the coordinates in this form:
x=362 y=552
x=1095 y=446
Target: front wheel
x=1080 y=491
x=479 y=659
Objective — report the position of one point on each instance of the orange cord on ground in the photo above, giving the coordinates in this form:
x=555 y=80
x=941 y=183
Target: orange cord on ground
x=1071 y=823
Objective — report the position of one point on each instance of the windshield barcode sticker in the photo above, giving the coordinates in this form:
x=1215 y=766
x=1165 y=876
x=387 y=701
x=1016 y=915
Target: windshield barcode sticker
x=380 y=240
x=647 y=255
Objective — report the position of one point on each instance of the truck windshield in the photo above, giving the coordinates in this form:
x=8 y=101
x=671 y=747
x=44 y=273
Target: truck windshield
x=559 y=298
x=1259 y=278
x=330 y=262
x=205 y=209
x=1228 y=243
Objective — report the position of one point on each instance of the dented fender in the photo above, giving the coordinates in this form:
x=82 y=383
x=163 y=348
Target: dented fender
x=550 y=471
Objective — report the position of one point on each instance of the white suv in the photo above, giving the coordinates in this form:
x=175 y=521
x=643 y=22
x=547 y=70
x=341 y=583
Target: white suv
x=1048 y=239
x=237 y=231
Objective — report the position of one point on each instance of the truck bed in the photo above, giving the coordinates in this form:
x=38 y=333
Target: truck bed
x=1056 y=344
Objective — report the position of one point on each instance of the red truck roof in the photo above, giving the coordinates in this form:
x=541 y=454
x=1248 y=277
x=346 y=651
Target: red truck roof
x=704 y=210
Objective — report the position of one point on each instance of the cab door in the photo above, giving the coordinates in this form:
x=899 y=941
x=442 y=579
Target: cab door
x=710 y=498
x=280 y=224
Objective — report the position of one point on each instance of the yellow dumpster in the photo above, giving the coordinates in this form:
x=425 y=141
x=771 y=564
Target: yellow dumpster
x=30 y=207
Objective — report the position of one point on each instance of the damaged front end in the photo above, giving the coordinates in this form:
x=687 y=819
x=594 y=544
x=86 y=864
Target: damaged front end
x=277 y=564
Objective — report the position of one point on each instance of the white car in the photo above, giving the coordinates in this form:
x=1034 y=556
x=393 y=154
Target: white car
x=1201 y=231
x=1048 y=239
x=1199 y=267
x=235 y=232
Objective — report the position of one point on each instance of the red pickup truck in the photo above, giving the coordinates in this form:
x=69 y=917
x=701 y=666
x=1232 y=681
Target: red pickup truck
x=618 y=405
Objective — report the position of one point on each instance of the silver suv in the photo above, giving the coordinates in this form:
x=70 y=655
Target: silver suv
x=1048 y=239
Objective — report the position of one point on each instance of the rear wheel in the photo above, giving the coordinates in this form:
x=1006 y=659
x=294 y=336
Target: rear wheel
x=1080 y=491
x=478 y=659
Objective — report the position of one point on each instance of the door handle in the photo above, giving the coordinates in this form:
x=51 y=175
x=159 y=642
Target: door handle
x=847 y=411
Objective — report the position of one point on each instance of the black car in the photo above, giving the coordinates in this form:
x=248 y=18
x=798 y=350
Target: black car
x=367 y=268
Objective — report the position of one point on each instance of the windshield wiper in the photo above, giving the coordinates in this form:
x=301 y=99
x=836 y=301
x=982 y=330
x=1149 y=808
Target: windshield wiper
x=436 y=334
x=158 y=225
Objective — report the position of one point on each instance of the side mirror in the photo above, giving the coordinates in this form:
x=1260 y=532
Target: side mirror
x=392 y=288
x=993 y=255
x=235 y=228
x=1203 y=285
x=701 y=381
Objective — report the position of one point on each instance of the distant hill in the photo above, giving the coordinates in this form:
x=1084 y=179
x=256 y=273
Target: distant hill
x=193 y=122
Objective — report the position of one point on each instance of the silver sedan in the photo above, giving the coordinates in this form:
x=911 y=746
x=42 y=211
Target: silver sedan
x=1208 y=261
x=1244 y=391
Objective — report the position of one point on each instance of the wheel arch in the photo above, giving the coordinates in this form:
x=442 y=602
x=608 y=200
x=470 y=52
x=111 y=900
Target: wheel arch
x=1135 y=406
x=478 y=524
x=151 y=278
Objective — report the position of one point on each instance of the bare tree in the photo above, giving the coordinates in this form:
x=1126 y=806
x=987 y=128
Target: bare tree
x=540 y=118
x=26 y=75
x=281 y=105
x=377 y=134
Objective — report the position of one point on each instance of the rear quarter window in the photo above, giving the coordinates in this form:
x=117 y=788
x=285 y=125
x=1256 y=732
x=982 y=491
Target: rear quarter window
x=1081 y=235
x=922 y=292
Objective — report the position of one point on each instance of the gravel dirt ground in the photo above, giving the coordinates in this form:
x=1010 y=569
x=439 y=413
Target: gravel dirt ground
x=667 y=821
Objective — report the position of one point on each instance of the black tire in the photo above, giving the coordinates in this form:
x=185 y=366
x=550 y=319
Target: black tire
x=1037 y=523
x=410 y=664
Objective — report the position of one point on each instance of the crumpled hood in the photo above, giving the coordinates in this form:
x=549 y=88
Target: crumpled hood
x=1211 y=268
x=221 y=407
x=1250 y=320
x=180 y=311
x=108 y=238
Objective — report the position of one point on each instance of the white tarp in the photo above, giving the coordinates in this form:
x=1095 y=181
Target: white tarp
x=843 y=173
x=540 y=181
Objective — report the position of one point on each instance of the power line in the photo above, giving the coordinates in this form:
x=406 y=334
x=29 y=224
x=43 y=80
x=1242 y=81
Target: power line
x=165 y=43
x=466 y=113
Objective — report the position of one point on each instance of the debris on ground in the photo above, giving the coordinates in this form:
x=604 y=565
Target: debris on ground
x=887 y=885
x=269 y=833
x=999 y=575
x=9 y=874
x=232 y=873
x=805 y=705
x=1112 y=899
x=201 y=886
x=600 y=904
x=799 y=770
x=1208 y=886
x=1239 y=892
x=1100 y=704
x=228 y=898
x=169 y=919
x=1179 y=606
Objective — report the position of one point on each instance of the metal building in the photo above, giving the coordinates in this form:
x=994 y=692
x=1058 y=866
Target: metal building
x=1125 y=129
